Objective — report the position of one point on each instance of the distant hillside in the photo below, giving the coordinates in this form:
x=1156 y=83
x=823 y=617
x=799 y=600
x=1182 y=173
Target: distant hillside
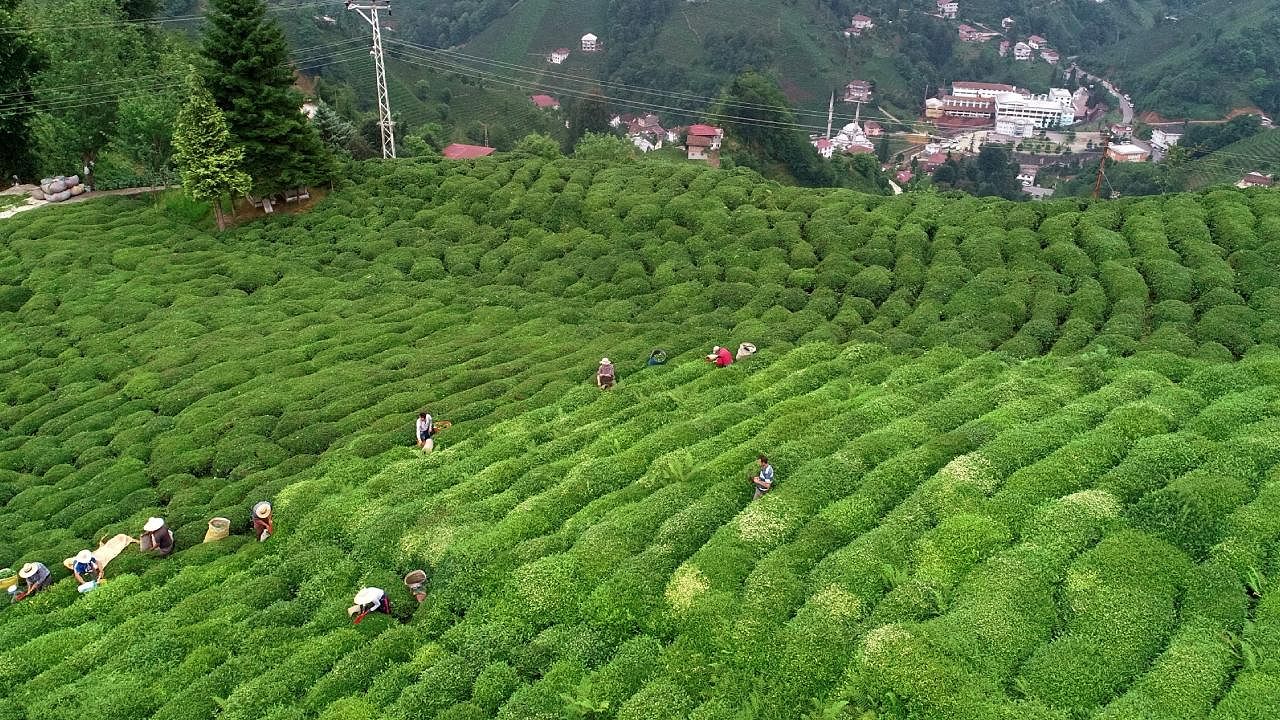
x=1213 y=57
x=1260 y=152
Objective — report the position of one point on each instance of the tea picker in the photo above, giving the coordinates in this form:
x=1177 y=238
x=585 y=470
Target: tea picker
x=763 y=480
x=156 y=538
x=36 y=576
x=87 y=570
x=263 y=521
x=720 y=356
x=368 y=600
x=604 y=374
x=416 y=582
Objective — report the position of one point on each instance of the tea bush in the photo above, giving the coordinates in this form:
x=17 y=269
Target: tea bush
x=1026 y=454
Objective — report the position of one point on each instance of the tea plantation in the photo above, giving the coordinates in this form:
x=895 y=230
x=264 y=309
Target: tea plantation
x=1028 y=455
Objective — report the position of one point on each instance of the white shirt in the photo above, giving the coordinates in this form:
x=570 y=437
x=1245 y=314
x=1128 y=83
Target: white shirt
x=424 y=424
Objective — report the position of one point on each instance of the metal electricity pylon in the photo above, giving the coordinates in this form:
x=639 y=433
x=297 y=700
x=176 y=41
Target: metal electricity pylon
x=368 y=10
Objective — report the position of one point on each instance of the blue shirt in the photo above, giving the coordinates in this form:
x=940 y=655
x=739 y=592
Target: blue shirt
x=766 y=474
x=83 y=568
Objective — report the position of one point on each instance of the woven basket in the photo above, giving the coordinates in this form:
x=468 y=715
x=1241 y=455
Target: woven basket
x=219 y=528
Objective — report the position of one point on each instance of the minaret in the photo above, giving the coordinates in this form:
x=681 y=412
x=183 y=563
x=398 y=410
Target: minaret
x=831 y=109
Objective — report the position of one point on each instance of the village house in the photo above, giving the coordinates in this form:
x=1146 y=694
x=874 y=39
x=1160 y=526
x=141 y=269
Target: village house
x=824 y=147
x=1049 y=55
x=1255 y=179
x=1027 y=174
x=934 y=108
x=1004 y=48
x=590 y=43
x=857 y=91
x=968 y=33
x=1161 y=141
x=948 y=9
x=1120 y=131
x=903 y=177
x=872 y=128
x=1036 y=42
x=1126 y=152
x=861 y=22
x=933 y=161
x=545 y=102
x=703 y=143
x=1080 y=102
x=1006 y=23
x=558 y=56
x=1021 y=51
x=460 y=151
x=851 y=139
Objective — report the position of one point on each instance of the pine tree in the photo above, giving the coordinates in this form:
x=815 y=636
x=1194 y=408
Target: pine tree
x=203 y=151
x=251 y=81
x=20 y=60
x=334 y=130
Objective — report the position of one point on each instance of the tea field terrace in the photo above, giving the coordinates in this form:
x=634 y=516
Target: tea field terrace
x=1026 y=452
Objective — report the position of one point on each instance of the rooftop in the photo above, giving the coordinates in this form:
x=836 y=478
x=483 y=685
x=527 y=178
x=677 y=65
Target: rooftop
x=460 y=151
x=544 y=101
x=704 y=130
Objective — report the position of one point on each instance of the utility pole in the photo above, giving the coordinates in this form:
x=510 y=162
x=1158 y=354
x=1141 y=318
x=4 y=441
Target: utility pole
x=1102 y=162
x=368 y=9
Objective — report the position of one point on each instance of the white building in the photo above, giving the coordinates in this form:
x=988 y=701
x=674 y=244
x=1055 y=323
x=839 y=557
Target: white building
x=1021 y=51
x=948 y=8
x=862 y=22
x=824 y=146
x=1015 y=127
x=980 y=90
x=1006 y=23
x=1161 y=141
x=1052 y=110
x=558 y=56
x=1027 y=174
x=590 y=43
x=1036 y=42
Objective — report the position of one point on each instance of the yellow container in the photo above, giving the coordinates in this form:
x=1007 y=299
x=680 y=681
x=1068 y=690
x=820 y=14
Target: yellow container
x=6 y=583
x=219 y=527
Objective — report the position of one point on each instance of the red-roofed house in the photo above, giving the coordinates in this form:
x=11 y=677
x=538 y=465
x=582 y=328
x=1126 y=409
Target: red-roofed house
x=857 y=91
x=862 y=22
x=904 y=177
x=459 y=151
x=545 y=102
x=1255 y=179
x=824 y=146
x=1004 y=48
x=1049 y=55
x=872 y=128
x=1036 y=42
x=702 y=142
x=933 y=162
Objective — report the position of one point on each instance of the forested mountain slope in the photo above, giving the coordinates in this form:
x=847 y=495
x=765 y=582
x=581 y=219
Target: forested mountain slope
x=1026 y=452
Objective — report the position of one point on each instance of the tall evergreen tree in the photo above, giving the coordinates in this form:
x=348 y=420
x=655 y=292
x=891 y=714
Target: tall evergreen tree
x=20 y=60
x=587 y=115
x=251 y=80
x=203 y=151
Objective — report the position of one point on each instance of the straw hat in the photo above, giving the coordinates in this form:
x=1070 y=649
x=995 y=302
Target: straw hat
x=368 y=595
x=604 y=361
x=715 y=349
x=27 y=571
x=262 y=509
x=153 y=524
x=84 y=556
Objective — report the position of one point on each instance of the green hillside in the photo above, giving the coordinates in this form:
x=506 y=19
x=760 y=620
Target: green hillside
x=1259 y=153
x=1027 y=453
x=1202 y=60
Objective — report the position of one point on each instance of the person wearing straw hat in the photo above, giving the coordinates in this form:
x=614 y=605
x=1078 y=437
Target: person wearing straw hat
x=156 y=538
x=604 y=375
x=263 y=522
x=369 y=600
x=37 y=577
x=86 y=568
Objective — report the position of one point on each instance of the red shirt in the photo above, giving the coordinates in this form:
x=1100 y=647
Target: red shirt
x=724 y=357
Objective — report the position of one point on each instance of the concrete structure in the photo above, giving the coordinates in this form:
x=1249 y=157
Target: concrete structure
x=1052 y=110
x=590 y=43
x=1006 y=23
x=872 y=128
x=1027 y=174
x=702 y=142
x=970 y=107
x=1004 y=48
x=824 y=146
x=1049 y=55
x=1015 y=128
x=1126 y=152
x=1021 y=51
x=1161 y=141
x=934 y=108
x=558 y=56
x=1038 y=193
x=948 y=8
x=862 y=22
x=1036 y=42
